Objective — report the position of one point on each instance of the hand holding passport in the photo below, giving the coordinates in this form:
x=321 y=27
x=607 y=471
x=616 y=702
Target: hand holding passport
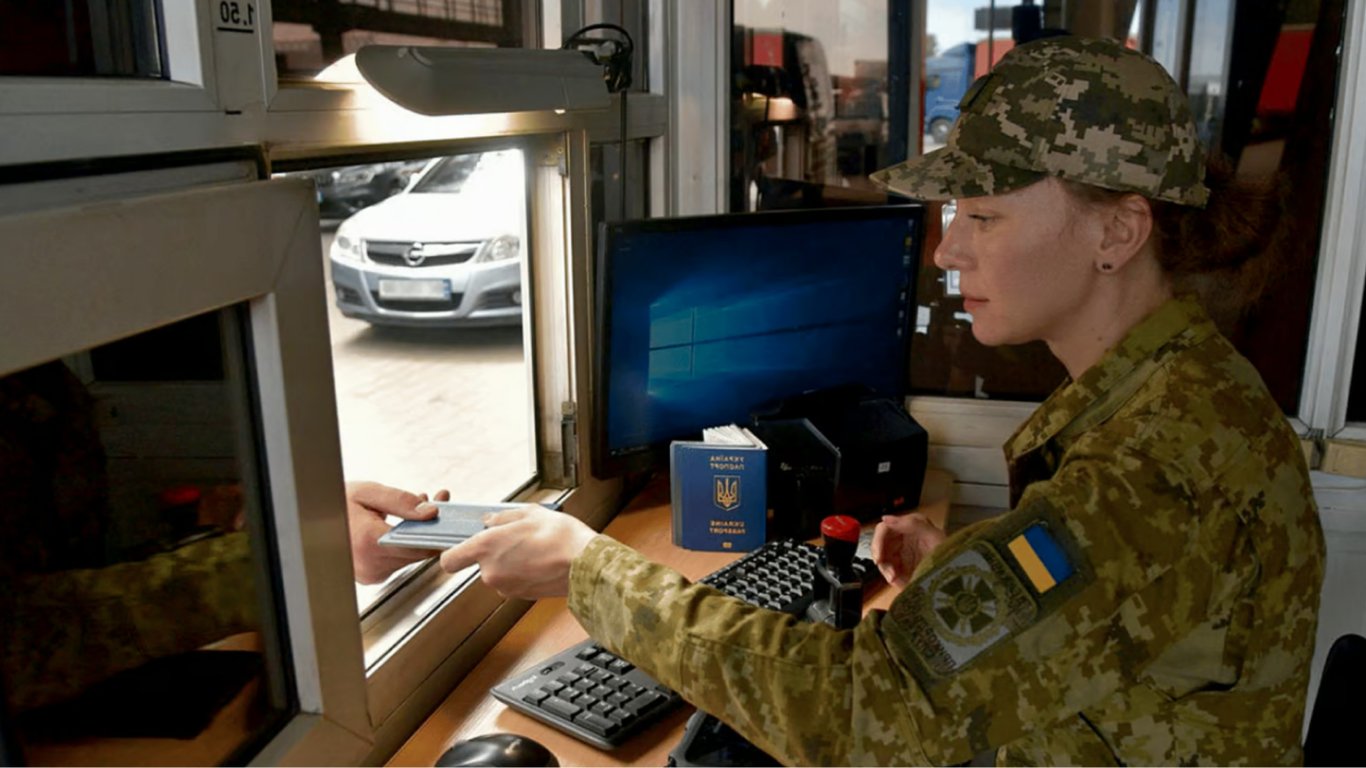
x=454 y=522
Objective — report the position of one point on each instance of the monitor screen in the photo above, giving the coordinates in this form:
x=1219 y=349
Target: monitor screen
x=702 y=320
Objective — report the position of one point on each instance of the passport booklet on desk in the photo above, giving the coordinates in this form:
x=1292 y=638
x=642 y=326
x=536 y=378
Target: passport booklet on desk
x=718 y=490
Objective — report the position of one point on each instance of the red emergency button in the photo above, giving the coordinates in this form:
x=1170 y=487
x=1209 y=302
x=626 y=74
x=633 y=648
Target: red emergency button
x=840 y=527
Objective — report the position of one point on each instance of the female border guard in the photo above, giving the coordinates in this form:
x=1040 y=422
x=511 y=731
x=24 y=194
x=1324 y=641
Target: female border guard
x=1151 y=596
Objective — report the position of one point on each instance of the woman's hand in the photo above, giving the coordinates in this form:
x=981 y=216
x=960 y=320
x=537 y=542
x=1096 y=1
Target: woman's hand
x=901 y=543
x=367 y=504
x=523 y=552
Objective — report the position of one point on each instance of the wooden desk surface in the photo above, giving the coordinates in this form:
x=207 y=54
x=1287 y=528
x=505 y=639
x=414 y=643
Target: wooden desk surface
x=548 y=628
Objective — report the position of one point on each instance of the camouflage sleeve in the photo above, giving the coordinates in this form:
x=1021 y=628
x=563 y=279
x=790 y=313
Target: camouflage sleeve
x=1018 y=625
x=805 y=693
x=1061 y=602
x=64 y=631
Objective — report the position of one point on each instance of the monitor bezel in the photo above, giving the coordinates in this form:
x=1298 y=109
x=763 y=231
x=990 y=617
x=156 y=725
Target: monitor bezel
x=604 y=463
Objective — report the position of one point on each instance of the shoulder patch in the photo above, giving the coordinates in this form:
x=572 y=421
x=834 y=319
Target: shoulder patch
x=1003 y=582
x=965 y=606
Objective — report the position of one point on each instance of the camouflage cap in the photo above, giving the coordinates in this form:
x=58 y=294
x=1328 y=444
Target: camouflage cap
x=1087 y=110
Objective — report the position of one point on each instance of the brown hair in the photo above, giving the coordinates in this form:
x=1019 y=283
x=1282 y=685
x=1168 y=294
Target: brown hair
x=1221 y=252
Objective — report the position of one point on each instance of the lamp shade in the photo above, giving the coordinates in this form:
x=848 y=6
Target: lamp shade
x=460 y=81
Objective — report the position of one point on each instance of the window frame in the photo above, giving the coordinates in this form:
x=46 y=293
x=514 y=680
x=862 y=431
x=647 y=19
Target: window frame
x=189 y=85
x=1341 y=282
x=428 y=655
x=199 y=105
x=274 y=272
x=427 y=622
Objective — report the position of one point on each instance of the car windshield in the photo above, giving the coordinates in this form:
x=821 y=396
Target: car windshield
x=448 y=175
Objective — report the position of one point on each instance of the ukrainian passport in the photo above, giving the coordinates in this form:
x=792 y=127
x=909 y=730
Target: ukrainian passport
x=718 y=490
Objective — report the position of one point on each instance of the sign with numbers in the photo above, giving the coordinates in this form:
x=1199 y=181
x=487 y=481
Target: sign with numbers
x=236 y=16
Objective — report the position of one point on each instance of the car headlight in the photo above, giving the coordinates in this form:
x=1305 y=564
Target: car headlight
x=358 y=175
x=346 y=246
x=499 y=248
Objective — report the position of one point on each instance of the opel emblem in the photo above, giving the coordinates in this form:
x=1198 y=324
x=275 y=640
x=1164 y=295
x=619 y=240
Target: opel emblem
x=415 y=255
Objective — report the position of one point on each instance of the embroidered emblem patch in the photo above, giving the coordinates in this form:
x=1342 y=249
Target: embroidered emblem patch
x=1004 y=580
x=965 y=606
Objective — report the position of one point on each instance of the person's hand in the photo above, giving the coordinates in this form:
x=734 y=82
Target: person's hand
x=367 y=504
x=222 y=506
x=902 y=542
x=523 y=552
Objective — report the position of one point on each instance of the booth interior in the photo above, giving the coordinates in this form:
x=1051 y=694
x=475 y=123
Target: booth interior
x=752 y=370
x=747 y=390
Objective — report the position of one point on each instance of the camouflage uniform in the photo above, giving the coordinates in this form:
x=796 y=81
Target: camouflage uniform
x=68 y=617
x=1177 y=627
x=1151 y=597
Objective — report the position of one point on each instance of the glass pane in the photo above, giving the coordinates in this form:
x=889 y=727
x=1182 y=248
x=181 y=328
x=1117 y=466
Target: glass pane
x=135 y=602
x=810 y=116
x=81 y=38
x=1253 y=104
x=311 y=35
x=1276 y=126
x=963 y=41
x=611 y=199
x=425 y=261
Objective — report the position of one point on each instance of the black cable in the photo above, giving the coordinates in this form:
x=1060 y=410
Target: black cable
x=617 y=64
x=621 y=205
x=617 y=73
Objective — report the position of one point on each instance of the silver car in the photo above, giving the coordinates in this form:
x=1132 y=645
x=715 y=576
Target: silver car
x=446 y=251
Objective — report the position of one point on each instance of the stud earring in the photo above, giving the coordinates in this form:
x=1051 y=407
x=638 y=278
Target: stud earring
x=1106 y=267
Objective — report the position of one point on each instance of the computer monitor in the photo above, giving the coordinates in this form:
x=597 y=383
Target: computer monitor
x=702 y=320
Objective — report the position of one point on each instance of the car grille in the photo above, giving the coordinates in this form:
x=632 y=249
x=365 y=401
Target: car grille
x=397 y=253
x=423 y=305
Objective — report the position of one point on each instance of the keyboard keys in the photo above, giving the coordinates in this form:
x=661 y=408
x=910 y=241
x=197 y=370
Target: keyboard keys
x=561 y=707
x=597 y=723
x=537 y=696
x=602 y=699
x=644 y=701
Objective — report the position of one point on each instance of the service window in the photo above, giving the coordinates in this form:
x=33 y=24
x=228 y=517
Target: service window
x=425 y=260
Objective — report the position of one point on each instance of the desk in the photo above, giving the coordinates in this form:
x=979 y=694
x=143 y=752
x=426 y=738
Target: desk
x=549 y=628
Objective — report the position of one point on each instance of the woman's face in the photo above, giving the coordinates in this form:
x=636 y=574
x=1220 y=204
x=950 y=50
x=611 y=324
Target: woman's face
x=1026 y=261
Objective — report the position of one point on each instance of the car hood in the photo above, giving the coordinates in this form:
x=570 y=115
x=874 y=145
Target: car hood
x=422 y=217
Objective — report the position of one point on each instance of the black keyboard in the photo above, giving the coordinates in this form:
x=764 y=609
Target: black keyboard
x=602 y=699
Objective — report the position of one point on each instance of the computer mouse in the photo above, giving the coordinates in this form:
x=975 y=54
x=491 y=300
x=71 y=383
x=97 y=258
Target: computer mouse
x=498 y=749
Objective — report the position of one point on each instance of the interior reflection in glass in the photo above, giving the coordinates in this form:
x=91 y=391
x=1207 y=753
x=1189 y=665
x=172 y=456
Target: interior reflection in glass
x=130 y=603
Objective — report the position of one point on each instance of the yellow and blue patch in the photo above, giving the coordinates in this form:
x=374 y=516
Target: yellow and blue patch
x=1040 y=558
x=999 y=583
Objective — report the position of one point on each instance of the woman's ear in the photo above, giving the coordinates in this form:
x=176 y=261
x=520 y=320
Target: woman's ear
x=1128 y=222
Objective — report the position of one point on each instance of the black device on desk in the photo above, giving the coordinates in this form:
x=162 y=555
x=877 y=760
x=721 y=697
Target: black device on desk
x=879 y=465
x=604 y=700
x=503 y=750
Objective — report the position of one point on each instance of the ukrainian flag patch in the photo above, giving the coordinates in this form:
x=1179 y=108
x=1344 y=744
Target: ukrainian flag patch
x=1040 y=558
x=1003 y=580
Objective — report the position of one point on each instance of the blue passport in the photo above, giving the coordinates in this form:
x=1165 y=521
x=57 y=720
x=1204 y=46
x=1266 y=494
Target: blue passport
x=719 y=491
